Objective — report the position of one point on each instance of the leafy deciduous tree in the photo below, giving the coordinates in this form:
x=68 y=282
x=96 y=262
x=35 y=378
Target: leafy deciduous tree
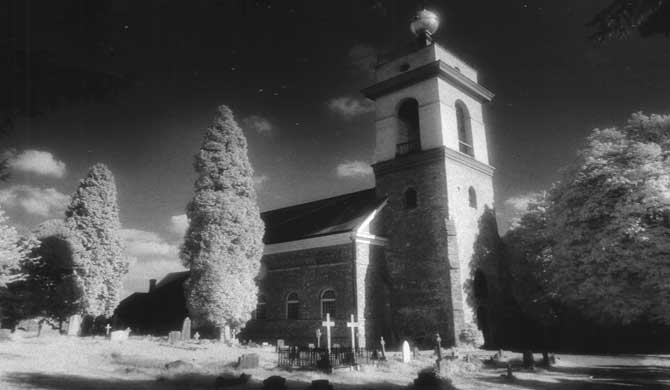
x=223 y=244
x=609 y=219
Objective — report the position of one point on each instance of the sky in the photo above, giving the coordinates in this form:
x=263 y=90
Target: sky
x=291 y=71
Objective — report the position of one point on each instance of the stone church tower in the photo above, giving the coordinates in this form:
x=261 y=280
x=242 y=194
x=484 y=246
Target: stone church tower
x=431 y=161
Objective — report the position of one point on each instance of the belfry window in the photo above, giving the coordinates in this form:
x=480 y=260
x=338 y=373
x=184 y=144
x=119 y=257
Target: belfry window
x=472 y=198
x=464 y=129
x=328 y=303
x=410 y=198
x=408 y=127
x=260 y=308
x=292 y=306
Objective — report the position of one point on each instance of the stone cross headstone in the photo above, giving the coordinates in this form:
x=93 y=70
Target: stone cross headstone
x=383 y=344
x=318 y=338
x=74 y=324
x=196 y=336
x=353 y=325
x=328 y=324
x=108 y=327
x=438 y=346
x=406 y=357
x=186 y=329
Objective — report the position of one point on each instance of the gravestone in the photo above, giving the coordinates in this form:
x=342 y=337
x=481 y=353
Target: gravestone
x=383 y=344
x=247 y=361
x=74 y=325
x=196 y=336
x=5 y=334
x=406 y=357
x=174 y=336
x=310 y=346
x=186 y=329
x=280 y=344
x=119 y=335
x=528 y=360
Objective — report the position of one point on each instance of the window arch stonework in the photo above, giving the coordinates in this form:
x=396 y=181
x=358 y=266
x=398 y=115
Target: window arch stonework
x=292 y=306
x=464 y=127
x=328 y=302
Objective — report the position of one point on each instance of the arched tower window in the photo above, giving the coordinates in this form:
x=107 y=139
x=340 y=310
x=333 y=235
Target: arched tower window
x=292 y=306
x=408 y=127
x=464 y=129
x=328 y=303
x=472 y=198
x=410 y=198
x=481 y=289
x=260 y=308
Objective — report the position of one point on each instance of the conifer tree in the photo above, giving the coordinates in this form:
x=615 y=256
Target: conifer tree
x=13 y=249
x=223 y=244
x=93 y=216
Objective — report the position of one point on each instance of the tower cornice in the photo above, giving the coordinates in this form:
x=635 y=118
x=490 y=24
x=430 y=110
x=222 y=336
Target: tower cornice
x=437 y=68
x=441 y=153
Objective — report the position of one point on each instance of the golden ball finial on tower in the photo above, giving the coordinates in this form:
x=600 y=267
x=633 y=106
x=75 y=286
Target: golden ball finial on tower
x=423 y=26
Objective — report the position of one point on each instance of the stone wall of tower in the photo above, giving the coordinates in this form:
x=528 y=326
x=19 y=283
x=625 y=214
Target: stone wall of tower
x=372 y=294
x=417 y=254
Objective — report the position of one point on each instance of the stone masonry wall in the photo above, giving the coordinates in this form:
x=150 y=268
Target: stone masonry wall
x=418 y=253
x=372 y=294
x=308 y=272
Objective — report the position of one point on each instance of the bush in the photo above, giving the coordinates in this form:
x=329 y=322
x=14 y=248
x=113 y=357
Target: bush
x=471 y=336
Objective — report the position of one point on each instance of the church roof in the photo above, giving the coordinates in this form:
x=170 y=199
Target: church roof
x=322 y=217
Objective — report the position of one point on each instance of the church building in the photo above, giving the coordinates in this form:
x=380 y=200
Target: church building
x=396 y=256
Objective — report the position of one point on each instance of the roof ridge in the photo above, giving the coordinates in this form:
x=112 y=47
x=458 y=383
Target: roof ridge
x=318 y=200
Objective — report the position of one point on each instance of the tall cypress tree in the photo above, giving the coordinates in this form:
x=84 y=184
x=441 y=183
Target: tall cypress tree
x=93 y=216
x=224 y=242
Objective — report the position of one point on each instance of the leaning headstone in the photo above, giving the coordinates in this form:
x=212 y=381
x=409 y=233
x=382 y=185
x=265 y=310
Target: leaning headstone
x=74 y=325
x=406 y=357
x=174 y=336
x=5 y=334
x=248 y=361
x=275 y=382
x=528 y=360
x=186 y=329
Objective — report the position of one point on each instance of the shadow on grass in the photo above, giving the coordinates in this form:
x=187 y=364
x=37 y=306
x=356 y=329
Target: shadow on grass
x=181 y=382
x=612 y=377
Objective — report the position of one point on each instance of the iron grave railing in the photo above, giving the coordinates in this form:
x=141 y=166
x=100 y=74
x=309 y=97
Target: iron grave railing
x=305 y=357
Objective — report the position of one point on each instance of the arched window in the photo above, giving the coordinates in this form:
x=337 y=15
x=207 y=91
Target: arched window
x=410 y=198
x=292 y=306
x=328 y=303
x=260 y=308
x=464 y=129
x=408 y=127
x=472 y=198
x=481 y=289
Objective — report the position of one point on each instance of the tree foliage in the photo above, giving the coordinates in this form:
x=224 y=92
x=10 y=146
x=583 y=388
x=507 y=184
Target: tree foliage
x=623 y=17
x=13 y=249
x=52 y=288
x=223 y=244
x=610 y=224
x=529 y=255
x=93 y=217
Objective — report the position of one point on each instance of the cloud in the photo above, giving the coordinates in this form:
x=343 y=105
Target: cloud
x=179 y=224
x=44 y=202
x=259 y=180
x=350 y=107
x=514 y=208
x=258 y=124
x=39 y=162
x=145 y=245
x=363 y=58
x=354 y=169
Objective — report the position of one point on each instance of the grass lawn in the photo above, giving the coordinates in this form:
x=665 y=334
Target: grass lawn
x=63 y=363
